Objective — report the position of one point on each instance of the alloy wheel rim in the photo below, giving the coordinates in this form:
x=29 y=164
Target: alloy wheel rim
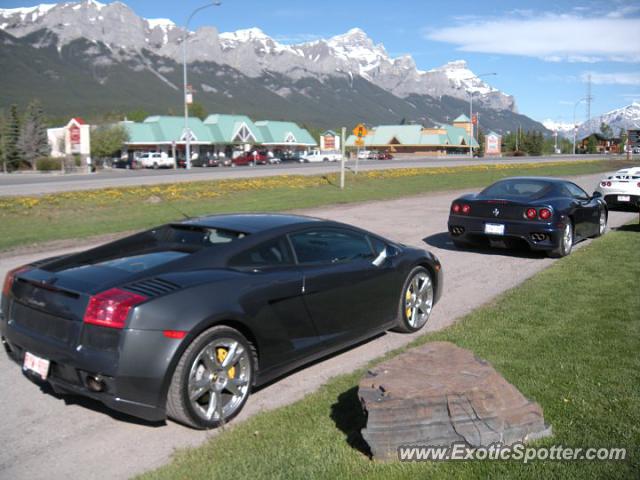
x=568 y=240
x=418 y=300
x=219 y=379
x=603 y=222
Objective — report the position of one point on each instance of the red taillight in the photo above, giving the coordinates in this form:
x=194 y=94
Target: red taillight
x=545 y=213
x=466 y=209
x=608 y=184
x=638 y=184
x=456 y=208
x=603 y=184
x=531 y=213
x=111 y=308
x=11 y=275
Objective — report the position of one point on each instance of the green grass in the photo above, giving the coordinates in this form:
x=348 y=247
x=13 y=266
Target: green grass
x=568 y=338
x=29 y=220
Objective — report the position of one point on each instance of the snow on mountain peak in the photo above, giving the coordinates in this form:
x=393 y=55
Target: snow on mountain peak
x=245 y=35
x=163 y=23
x=30 y=13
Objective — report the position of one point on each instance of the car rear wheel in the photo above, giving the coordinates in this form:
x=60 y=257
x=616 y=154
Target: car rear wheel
x=602 y=224
x=566 y=243
x=416 y=302
x=213 y=379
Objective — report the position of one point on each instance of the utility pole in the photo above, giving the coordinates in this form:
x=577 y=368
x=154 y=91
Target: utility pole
x=589 y=97
x=186 y=94
x=342 y=144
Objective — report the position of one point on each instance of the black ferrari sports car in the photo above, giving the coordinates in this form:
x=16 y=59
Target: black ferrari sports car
x=183 y=320
x=547 y=214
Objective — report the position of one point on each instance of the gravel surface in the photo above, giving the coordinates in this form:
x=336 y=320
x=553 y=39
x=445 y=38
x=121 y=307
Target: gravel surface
x=47 y=437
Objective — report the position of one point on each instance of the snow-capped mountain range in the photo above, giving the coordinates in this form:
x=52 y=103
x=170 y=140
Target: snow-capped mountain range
x=625 y=118
x=249 y=51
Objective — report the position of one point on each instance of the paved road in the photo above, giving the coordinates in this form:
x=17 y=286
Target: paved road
x=34 y=184
x=46 y=437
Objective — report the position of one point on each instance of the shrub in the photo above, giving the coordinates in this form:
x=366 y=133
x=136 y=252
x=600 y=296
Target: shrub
x=48 y=164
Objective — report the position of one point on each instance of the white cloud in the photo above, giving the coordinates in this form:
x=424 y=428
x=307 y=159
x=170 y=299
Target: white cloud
x=619 y=78
x=550 y=37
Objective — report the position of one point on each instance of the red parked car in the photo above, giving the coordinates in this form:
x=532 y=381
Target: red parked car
x=384 y=156
x=251 y=158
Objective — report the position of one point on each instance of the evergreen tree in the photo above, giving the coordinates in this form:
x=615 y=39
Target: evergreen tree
x=33 y=143
x=606 y=130
x=11 y=154
x=481 y=141
x=592 y=144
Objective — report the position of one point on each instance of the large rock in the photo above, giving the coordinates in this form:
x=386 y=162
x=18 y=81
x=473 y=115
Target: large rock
x=439 y=394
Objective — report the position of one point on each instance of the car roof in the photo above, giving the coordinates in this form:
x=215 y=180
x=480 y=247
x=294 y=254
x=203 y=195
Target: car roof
x=251 y=222
x=543 y=179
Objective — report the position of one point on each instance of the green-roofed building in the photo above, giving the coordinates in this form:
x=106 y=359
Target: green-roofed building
x=441 y=139
x=220 y=135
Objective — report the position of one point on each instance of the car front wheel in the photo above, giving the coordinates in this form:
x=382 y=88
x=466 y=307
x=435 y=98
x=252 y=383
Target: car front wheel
x=213 y=379
x=416 y=302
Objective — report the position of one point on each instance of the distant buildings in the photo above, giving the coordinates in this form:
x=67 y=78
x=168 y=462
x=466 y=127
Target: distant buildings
x=438 y=140
x=218 y=134
x=72 y=139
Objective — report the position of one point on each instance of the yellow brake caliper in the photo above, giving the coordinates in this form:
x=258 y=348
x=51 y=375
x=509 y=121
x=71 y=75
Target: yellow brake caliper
x=221 y=354
x=407 y=298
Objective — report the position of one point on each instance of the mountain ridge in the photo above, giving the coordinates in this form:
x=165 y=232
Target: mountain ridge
x=155 y=46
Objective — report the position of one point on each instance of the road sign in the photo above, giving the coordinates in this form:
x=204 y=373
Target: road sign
x=359 y=142
x=474 y=119
x=360 y=131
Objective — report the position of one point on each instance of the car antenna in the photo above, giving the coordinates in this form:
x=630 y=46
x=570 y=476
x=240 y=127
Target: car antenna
x=174 y=208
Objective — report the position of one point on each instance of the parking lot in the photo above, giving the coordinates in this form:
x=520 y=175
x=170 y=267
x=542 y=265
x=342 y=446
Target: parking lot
x=51 y=437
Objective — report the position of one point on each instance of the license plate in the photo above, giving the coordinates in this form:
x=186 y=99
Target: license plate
x=494 y=228
x=36 y=364
x=624 y=198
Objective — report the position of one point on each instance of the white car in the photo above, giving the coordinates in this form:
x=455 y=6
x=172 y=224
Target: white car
x=318 y=156
x=621 y=190
x=156 y=160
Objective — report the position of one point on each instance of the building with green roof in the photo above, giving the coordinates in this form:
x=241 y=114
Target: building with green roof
x=218 y=134
x=441 y=139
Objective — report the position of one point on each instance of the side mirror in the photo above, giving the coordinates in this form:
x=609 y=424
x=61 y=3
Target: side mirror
x=597 y=194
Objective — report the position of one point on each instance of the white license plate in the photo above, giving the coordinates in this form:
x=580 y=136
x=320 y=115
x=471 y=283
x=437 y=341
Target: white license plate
x=624 y=198
x=494 y=228
x=36 y=364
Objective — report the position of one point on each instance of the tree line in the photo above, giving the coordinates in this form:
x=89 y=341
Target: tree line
x=23 y=137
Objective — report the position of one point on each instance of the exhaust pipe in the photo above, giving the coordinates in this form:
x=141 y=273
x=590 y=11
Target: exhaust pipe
x=95 y=383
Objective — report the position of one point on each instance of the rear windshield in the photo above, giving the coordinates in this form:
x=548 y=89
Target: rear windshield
x=515 y=188
x=140 y=263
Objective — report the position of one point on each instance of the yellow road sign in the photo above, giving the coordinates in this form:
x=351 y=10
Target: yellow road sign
x=360 y=130
x=359 y=142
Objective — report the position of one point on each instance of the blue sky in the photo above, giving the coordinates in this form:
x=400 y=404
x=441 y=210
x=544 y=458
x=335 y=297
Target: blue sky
x=541 y=51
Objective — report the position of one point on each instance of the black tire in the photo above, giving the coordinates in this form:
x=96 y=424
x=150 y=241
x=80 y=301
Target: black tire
x=602 y=229
x=179 y=407
x=404 y=323
x=565 y=245
x=155 y=166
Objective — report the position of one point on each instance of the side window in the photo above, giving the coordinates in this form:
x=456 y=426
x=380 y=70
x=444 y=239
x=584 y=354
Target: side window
x=330 y=246
x=576 y=191
x=271 y=253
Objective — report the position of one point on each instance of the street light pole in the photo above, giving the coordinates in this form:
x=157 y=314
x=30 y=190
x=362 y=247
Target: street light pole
x=187 y=132
x=471 y=136
x=575 y=127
